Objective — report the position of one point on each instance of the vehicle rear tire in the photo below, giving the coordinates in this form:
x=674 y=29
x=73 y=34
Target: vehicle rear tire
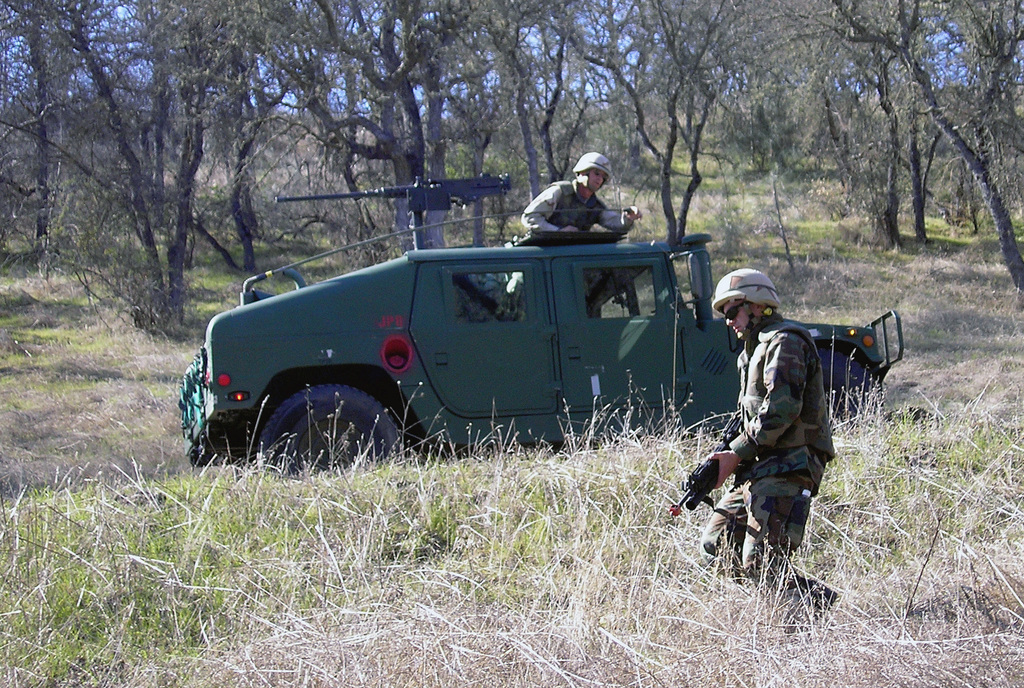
x=327 y=426
x=848 y=385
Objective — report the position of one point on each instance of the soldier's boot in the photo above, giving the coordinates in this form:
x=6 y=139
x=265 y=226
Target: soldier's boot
x=821 y=597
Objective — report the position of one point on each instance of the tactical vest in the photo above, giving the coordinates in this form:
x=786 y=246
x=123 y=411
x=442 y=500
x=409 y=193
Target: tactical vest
x=806 y=445
x=573 y=210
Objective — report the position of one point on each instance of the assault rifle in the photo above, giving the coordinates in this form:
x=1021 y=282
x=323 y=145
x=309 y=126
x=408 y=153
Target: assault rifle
x=699 y=484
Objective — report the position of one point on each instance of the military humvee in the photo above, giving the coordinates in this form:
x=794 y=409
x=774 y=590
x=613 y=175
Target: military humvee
x=572 y=332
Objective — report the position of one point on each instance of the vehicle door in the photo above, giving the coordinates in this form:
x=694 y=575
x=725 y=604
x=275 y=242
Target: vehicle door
x=485 y=337
x=618 y=334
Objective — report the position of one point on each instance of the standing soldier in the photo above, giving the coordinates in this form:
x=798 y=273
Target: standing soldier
x=574 y=206
x=784 y=442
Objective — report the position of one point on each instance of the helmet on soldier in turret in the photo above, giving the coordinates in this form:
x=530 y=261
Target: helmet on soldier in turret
x=747 y=284
x=593 y=161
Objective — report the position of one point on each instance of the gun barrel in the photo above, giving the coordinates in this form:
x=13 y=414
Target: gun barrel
x=385 y=191
x=318 y=197
x=425 y=194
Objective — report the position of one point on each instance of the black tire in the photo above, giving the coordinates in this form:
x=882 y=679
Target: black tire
x=199 y=455
x=848 y=385
x=327 y=426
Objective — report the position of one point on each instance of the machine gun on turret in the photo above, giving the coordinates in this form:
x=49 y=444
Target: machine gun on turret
x=424 y=194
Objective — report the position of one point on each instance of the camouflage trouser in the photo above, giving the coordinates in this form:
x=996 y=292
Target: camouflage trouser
x=757 y=525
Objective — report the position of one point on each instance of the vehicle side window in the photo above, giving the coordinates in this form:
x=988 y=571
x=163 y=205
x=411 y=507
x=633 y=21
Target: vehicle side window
x=682 y=270
x=482 y=297
x=619 y=292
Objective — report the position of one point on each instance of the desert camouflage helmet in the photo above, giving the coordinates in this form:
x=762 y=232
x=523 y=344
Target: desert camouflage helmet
x=592 y=161
x=747 y=284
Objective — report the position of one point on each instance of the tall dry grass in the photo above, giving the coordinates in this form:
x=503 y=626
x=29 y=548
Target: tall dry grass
x=522 y=568
x=514 y=566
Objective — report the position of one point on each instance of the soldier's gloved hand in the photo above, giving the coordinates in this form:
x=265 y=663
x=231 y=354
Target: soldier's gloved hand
x=569 y=228
x=631 y=214
x=727 y=463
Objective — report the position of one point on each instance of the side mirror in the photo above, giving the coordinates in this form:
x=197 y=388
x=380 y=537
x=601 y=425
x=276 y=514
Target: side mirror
x=700 y=284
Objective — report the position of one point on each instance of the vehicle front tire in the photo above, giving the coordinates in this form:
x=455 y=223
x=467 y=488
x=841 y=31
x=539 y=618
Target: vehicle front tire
x=327 y=426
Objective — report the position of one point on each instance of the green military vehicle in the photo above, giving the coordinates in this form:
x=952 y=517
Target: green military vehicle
x=568 y=333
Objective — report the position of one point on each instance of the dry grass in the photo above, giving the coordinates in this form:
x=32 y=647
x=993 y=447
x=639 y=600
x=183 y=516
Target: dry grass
x=515 y=567
x=521 y=569
x=82 y=392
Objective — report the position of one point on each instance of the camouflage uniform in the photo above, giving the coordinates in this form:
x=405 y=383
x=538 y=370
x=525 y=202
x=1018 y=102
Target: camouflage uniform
x=560 y=205
x=783 y=446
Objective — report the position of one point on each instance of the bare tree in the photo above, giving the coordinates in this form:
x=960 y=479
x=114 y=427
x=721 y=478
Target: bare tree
x=30 y=113
x=887 y=227
x=476 y=103
x=148 y=147
x=673 y=59
x=146 y=124
x=142 y=184
x=964 y=57
x=373 y=76
x=861 y=97
x=252 y=96
x=531 y=42
x=920 y=167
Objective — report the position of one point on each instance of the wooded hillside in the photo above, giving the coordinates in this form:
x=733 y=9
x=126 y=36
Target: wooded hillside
x=138 y=136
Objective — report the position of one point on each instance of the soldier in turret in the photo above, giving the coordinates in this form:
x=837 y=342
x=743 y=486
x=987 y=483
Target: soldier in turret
x=784 y=442
x=574 y=206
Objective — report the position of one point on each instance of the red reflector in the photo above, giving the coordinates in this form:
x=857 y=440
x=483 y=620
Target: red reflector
x=238 y=396
x=396 y=353
x=223 y=379
x=868 y=340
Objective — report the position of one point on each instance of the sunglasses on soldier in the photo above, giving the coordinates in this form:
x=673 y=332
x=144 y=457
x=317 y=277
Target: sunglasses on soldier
x=733 y=311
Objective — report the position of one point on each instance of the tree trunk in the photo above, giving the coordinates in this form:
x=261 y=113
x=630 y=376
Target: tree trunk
x=693 y=141
x=979 y=167
x=244 y=217
x=523 y=116
x=691 y=191
x=242 y=213
x=888 y=223
x=841 y=146
x=216 y=245
x=667 y=205
x=890 y=218
x=185 y=184
x=436 y=152
x=665 y=158
x=139 y=192
x=480 y=145
x=917 y=182
x=37 y=58
x=550 y=112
